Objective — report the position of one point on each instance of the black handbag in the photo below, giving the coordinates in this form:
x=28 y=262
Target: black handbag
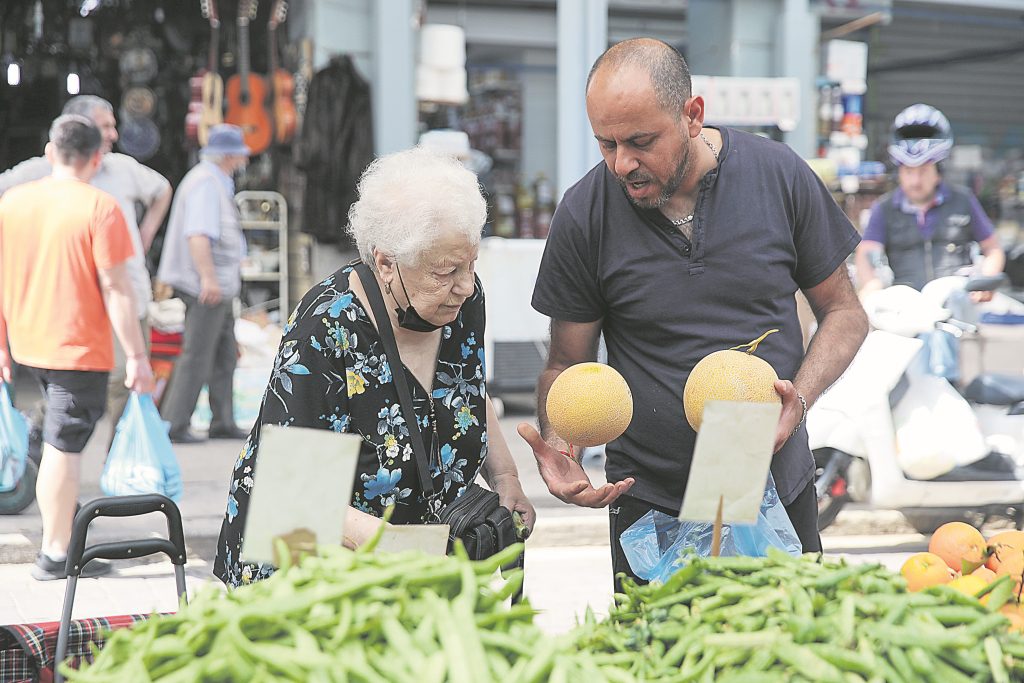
x=483 y=524
x=476 y=516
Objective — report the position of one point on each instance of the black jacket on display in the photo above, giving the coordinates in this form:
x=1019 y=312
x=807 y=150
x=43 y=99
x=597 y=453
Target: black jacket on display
x=335 y=146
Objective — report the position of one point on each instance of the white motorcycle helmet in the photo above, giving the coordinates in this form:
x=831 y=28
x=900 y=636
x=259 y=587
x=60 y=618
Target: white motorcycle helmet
x=920 y=134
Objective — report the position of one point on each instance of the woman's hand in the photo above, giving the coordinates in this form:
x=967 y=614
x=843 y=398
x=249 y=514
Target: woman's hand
x=510 y=493
x=359 y=528
x=565 y=477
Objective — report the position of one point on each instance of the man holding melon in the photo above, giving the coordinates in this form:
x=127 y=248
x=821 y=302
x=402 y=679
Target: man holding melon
x=687 y=240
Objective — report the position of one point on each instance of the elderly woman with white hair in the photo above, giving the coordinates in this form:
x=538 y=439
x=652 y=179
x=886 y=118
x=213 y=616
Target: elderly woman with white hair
x=417 y=225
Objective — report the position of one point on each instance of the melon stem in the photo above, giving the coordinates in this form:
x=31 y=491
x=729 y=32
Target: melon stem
x=752 y=346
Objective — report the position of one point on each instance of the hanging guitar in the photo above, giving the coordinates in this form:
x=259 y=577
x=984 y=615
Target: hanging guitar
x=283 y=83
x=209 y=111
x=247 y=92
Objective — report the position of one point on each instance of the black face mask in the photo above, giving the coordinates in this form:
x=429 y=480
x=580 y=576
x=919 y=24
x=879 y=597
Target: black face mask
x=409 y=319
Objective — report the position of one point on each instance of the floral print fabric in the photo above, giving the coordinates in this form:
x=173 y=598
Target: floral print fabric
x=332 y=372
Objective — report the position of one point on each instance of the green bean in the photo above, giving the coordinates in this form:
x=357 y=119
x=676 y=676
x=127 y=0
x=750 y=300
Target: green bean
x=846 y=623
x=944 y=673
x=806 y=661
x=994 y=654
x=843 y=659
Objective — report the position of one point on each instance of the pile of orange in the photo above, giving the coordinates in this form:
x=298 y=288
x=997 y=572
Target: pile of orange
x=958 y=555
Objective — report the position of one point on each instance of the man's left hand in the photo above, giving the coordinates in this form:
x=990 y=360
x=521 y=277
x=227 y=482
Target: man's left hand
x=792 y=412
x=981 y=297
x=511 y=495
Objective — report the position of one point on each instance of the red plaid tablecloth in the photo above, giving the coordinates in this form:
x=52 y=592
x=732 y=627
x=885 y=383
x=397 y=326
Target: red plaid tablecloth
x=27 y=650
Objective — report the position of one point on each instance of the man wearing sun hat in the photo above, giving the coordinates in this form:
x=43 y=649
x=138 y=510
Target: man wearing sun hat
x=201 y=260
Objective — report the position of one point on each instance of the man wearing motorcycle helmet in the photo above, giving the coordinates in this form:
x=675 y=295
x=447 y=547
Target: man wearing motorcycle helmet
x=926 y=227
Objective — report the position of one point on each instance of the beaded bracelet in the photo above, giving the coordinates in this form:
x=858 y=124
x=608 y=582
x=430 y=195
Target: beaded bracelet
x=803 y=416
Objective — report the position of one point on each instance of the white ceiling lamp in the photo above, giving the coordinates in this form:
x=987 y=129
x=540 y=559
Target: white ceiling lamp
x=441 y=72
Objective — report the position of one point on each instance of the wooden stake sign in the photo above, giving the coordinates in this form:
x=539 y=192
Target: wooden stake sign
x=716 y=531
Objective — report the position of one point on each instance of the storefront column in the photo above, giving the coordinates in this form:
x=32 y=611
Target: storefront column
x=582 y=37
x=394 y=87
x=759 y=38
x=797 y=57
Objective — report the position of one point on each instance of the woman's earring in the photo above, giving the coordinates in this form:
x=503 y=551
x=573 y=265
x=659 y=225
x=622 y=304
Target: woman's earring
x=387 y=287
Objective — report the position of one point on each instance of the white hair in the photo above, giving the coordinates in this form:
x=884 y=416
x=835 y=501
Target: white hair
x=408 y=197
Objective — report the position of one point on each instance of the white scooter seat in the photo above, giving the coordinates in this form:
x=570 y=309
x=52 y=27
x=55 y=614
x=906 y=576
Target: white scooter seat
x=993 y=467
x=996 y=389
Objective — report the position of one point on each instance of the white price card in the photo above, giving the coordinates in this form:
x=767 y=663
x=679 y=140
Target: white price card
x=731 y=461
x=431 y=539
x=301 y=489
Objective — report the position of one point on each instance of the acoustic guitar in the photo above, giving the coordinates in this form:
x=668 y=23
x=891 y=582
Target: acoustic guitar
x=211 y=111
x=283 y=83
x=247 y=92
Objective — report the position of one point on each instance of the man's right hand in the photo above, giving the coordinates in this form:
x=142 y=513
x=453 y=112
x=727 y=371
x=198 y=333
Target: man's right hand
x=139 y=375
x=209 y=293
x=565 y=478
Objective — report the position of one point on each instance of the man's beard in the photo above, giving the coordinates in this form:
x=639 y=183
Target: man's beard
x=669 y=189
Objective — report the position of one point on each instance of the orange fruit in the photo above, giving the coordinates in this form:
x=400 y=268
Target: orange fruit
x=956 y=543
x=984 y=573
x=1002 y=545
x=968 y=585
x=1012 y=612
x=926 y=569
x=1014 y=566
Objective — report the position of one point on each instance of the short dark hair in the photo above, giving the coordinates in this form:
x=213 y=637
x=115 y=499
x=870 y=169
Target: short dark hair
x=75 y=138
x=670 y=76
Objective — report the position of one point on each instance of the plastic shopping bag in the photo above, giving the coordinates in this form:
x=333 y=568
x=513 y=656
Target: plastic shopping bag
x=141 y=459
x=13 y=442
x=656 y=544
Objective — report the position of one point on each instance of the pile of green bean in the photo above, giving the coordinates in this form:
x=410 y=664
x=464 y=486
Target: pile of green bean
x=796 y=619
x=338 y=616
x=360 y=616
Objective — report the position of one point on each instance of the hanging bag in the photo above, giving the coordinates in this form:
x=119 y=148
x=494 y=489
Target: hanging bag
x=141 y=459
x=476 y=516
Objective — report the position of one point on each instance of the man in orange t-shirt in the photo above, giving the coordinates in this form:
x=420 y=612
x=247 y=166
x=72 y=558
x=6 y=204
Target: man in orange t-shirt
x=64 y=247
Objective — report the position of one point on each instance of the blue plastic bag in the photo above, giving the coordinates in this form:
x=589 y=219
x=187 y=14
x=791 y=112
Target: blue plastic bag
x=13 y=442
x=655 y=544
x=941 y=354
x=141 y=459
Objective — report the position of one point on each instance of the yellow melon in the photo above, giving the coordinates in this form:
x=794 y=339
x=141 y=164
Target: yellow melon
x=589 y=404
x=729 y=375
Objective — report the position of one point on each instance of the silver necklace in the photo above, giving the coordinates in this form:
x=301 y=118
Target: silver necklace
x=710 y=146
x=689 y=219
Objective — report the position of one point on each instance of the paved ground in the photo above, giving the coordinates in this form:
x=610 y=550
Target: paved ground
x=567 y=566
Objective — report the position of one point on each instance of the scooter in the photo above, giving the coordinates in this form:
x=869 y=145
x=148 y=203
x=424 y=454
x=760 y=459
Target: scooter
x=892 y=434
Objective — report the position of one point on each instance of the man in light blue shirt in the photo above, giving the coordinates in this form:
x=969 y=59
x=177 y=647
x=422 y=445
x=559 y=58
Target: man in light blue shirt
x=201 y=260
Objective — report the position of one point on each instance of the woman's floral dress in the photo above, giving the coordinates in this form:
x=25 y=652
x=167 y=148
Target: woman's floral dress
x=331 y=372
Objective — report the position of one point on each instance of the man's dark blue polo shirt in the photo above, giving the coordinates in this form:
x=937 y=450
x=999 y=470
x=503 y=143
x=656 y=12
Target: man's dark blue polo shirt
x=764 y=227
